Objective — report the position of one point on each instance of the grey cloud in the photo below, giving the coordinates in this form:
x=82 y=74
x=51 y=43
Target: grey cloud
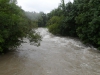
x=39 y=5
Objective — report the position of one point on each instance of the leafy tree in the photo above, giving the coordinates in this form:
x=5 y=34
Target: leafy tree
x=68 y=26
x=54 y=24
x=14 y=25
x=80 y=19
x=88 y=21
x=63 y=6
x=42 y=20
x=34 y=16
x=55 y=12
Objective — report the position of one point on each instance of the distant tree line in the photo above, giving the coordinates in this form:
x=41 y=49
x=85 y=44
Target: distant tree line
x=78 y=19
x=14 y=26
x=38 y=18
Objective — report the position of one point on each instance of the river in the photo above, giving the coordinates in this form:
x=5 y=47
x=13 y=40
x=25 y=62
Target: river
x=55 y=56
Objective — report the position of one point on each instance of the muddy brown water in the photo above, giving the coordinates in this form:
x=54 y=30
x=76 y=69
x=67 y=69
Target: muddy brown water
x=55 y=56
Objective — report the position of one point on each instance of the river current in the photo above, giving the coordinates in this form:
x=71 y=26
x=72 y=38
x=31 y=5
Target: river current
x=55 y=56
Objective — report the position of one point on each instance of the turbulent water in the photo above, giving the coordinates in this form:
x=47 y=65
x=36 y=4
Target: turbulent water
x=55 y=56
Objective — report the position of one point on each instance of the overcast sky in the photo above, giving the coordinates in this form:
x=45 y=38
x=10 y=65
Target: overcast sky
x=39 y=5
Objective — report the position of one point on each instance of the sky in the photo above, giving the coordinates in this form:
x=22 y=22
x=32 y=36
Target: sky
x=39 y=5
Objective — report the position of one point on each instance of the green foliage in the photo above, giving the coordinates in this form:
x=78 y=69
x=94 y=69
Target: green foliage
x=56 y=12
x=89 y=22
x=54 y=28
x=54 y=24
x=32 y=15
x=63 y=6
x=80 y=19
x=42 y=20
x=14 y=25
x=69 y=25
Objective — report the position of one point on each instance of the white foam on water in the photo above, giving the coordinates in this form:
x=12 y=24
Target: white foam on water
x=63 y=41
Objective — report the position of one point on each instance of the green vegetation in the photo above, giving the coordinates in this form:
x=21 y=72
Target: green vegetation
x=78 y=19
x=38 y=18
x=42 y=20
x=33 y=15
x=54 y=24
x=14 y=26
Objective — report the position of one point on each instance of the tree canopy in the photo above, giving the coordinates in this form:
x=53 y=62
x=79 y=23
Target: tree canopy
x=14 y=26
x=80 y=19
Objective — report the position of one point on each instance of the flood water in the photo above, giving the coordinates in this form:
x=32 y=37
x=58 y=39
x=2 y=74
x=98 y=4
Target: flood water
x=55 y=56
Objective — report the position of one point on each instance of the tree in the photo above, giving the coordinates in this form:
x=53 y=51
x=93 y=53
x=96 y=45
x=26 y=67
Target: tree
x=14 y=25
x=63 y=6
x=88 y=21
x=54 y=24
x=80 y=19
x=68 y=26
x=42 y=20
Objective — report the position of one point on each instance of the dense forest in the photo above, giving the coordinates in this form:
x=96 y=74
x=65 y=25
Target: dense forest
x=14 y=26
x=39 y=18
x=79 y=19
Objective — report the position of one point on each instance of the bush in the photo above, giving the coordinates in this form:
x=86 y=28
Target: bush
x=54 y=24
x=14 y=25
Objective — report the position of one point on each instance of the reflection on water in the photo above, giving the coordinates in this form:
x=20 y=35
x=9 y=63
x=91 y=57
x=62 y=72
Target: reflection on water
x=55 y=56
